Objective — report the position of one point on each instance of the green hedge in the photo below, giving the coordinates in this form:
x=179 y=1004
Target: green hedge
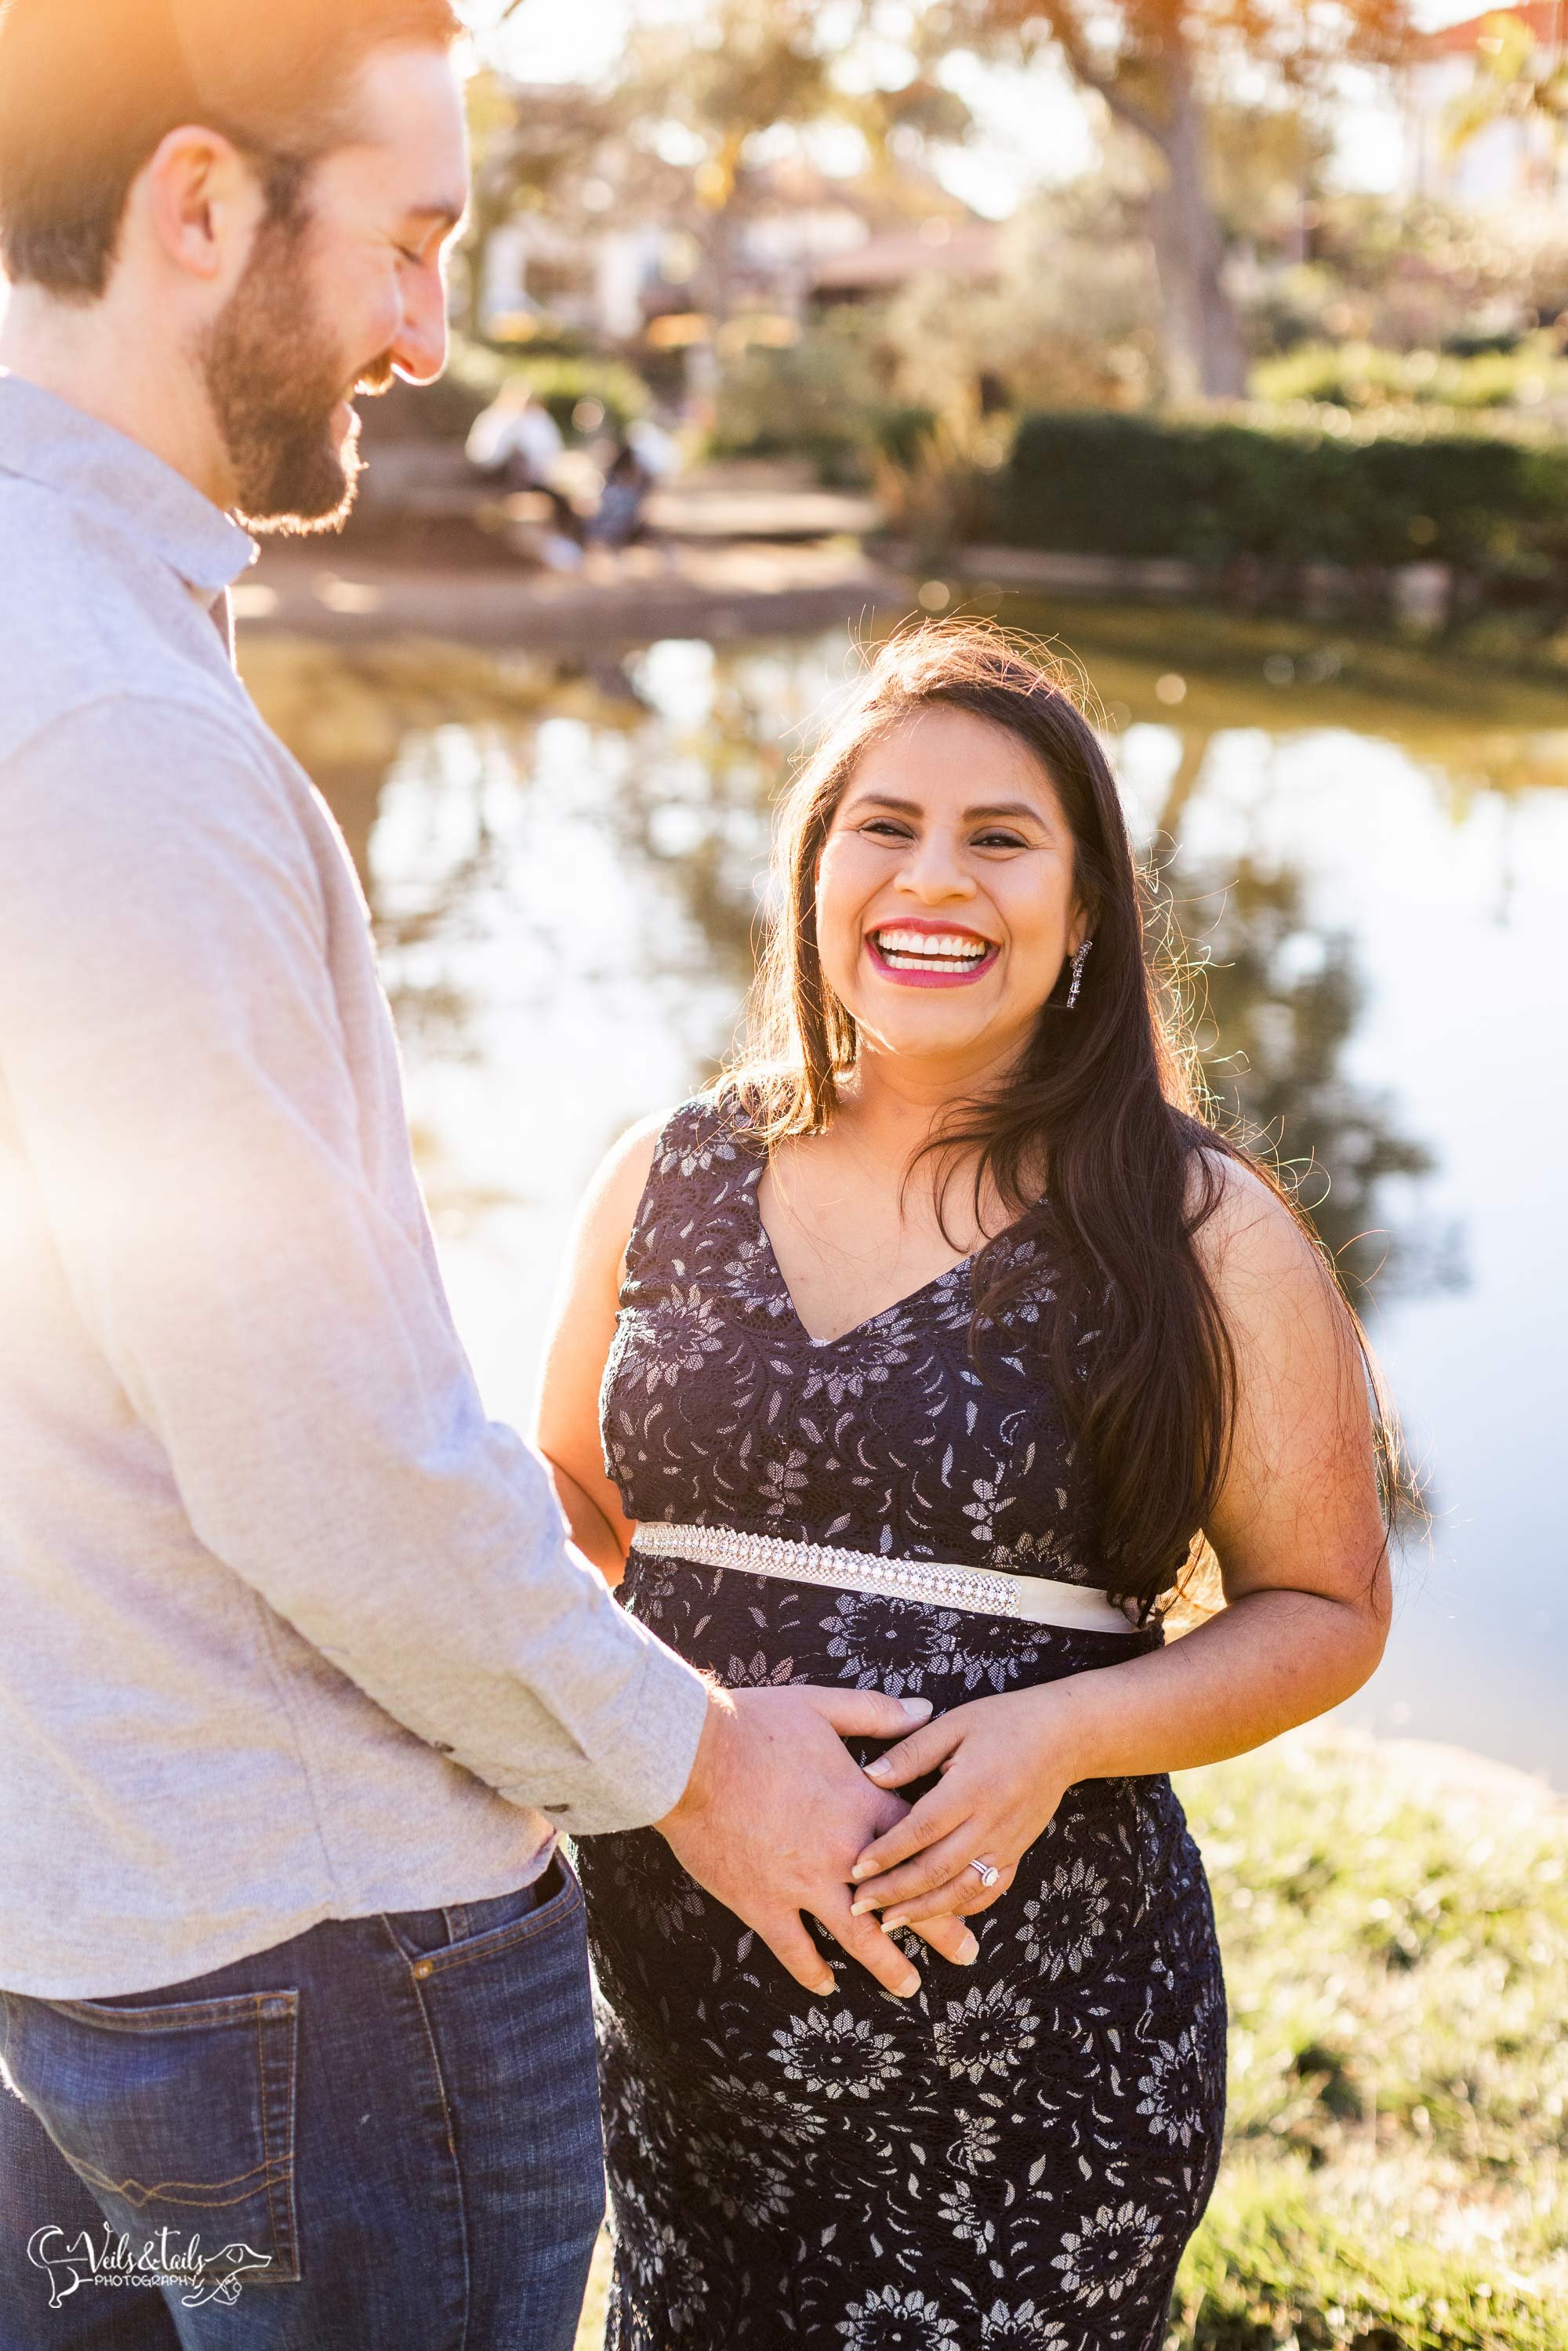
x=1099 y=482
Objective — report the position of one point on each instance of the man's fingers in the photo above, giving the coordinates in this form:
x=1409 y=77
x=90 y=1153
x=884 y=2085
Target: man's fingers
x=933 y=1816
x=863 y=1939
x=865 y=1714
x=792 y=1946
x=915 y=1757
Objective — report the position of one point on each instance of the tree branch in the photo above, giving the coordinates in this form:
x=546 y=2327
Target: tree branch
x=1069 y=37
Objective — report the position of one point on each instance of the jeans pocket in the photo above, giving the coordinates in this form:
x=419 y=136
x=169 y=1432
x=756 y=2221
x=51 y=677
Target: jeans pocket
x=472 y=1929
x=179 y=2117
x=510 y=2014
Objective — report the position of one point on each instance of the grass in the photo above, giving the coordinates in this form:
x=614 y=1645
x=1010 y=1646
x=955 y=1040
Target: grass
x=1396 y=1947
x=1396 y=1931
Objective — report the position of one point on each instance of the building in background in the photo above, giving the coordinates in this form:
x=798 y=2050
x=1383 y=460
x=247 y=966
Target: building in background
x=1480 y=130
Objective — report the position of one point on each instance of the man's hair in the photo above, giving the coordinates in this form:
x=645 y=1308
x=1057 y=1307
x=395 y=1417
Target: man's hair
x=89 y=88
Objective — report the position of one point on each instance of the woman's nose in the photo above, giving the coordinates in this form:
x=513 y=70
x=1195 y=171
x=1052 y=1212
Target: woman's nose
x=934 y=871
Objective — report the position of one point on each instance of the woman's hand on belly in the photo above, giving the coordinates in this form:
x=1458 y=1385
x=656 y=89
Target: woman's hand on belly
x=1004 y=1764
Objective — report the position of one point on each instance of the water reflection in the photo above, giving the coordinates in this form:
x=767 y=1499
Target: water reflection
x=564 y=871
x=1279 y=1001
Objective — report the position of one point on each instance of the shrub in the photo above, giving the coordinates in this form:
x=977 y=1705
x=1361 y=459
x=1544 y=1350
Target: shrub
x=1095 y=482
x=816 y=398
x=1364 y=375
x=562 y=381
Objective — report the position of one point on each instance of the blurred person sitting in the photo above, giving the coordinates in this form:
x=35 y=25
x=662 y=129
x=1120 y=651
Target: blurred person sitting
x=516 y=445
x=619 y=519
x=516 y=440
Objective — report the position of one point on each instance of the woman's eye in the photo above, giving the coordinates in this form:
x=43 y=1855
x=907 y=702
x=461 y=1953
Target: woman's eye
x=885 y=826
x=999 y=840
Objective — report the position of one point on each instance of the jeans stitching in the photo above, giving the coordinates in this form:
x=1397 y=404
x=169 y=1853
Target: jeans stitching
x=457 y=2165
x=141 y=2192
x=178 y=2016
x=486 y=1947
x=265 y=2135
x=282 y=2218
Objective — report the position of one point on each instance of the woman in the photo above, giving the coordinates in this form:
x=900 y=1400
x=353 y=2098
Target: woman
x=951 y=1285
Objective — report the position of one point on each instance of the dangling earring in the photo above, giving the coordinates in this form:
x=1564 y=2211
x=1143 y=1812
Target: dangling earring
x=1077 y=974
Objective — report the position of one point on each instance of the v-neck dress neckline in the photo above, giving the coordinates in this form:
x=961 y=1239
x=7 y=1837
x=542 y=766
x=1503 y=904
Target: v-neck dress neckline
x=905 y=1305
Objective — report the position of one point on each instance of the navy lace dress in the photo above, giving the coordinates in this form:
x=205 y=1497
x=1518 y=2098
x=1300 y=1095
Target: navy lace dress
x=1014 y=2159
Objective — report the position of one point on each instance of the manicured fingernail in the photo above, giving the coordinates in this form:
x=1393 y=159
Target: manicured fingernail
x=859 y=1910
x=826 y=1984
x=969 y=1951
x=917 y=1708
x=861 y=1869
x=879 y=1770
x=910 y=1985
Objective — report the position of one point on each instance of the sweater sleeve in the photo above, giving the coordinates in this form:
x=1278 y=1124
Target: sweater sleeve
x=170 y=1043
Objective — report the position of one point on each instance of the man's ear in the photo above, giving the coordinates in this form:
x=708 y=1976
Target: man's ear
x=202 y=203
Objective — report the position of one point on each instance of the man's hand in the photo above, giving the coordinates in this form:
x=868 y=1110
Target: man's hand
x=776 y=1811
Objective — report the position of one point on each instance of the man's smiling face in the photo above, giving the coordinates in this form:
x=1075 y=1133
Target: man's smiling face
x=345 y=287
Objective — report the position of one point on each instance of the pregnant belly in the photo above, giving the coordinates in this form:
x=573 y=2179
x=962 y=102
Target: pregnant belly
x=754 y=1631
x=1104 y=1938
x=1118 y=1851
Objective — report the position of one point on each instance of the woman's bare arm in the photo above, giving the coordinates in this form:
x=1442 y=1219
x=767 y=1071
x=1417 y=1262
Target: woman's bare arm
x=1299 y=1538
x=567 y=1428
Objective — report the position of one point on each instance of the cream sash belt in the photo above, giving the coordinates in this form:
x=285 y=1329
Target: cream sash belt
x=985 y=1591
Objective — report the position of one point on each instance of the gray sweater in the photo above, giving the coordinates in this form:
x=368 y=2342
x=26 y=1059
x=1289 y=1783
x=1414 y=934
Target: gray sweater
x=288 y=1631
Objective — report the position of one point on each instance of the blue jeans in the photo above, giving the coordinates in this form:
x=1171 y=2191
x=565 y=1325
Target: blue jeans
x=382 y=2135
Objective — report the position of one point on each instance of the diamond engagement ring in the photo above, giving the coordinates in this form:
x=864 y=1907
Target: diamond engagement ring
x=989 y=1876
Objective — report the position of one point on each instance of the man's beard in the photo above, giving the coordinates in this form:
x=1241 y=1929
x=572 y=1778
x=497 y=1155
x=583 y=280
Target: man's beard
x=275 y=375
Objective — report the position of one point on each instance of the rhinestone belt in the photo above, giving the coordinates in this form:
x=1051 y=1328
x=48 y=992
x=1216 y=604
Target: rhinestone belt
x=1038 y=1599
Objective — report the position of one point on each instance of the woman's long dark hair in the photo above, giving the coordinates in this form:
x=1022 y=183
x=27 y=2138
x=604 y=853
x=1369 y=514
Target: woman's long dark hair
x=1104 y=1114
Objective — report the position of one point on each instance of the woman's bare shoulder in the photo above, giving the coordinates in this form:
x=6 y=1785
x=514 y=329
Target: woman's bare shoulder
x=1250 y=1233
x=615 y=1192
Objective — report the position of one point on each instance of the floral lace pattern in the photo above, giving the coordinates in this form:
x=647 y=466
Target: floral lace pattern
x=1015 y=2158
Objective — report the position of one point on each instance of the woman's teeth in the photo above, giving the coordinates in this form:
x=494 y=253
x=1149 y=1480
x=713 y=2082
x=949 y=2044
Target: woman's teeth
x=931 y=950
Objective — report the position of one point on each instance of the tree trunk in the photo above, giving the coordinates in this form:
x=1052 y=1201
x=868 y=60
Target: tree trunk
x=1203 y=350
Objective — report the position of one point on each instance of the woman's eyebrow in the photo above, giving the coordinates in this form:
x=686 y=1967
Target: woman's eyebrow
x=971 y=815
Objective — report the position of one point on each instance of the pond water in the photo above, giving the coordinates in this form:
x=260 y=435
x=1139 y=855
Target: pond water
x=564 y=869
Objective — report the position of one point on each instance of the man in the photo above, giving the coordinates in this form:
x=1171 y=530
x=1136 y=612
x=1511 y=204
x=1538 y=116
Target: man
x=298 y=1677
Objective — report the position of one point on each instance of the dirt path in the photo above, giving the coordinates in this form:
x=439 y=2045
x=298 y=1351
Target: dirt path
x=723 y=589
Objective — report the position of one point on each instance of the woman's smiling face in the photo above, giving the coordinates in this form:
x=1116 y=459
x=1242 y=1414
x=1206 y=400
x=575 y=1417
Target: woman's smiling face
x=946 y=901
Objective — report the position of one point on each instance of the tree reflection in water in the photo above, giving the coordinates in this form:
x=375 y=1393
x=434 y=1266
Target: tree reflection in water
x=686 y=787
x=1277 y=1001
x=1278 y=998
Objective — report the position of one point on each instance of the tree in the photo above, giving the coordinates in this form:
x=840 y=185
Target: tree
x=743 y=68
x=1155 y=63
x=1517 y=78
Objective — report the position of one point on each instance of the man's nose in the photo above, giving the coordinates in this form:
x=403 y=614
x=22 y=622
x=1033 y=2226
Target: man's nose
x=420 y=351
